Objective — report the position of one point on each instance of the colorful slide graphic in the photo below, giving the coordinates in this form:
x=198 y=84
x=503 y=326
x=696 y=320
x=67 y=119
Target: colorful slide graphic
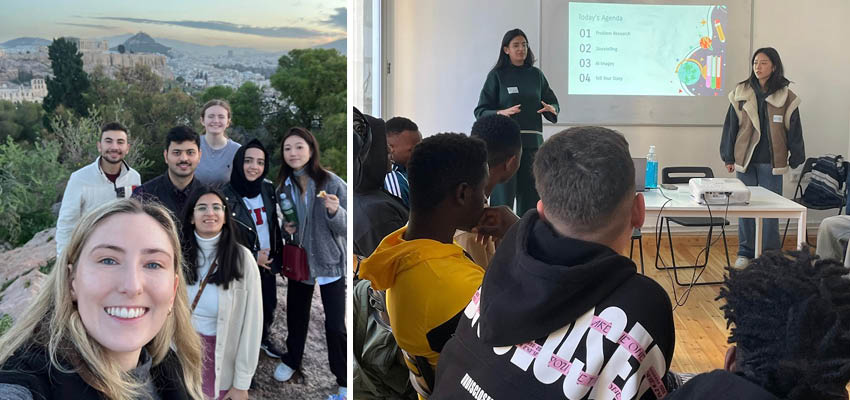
x=646 y=49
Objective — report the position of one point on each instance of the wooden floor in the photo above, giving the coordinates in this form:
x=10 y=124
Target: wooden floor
x=700 y=327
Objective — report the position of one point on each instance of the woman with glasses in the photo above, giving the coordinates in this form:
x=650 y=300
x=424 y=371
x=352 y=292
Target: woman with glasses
x=516 y=88
x=224 y=294
x=319 y=198
x=251 y=203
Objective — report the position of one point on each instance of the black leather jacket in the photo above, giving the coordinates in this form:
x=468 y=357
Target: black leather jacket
x=246 y=232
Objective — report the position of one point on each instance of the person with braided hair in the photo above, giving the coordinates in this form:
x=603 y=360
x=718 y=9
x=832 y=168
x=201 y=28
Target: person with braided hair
x=790 y=317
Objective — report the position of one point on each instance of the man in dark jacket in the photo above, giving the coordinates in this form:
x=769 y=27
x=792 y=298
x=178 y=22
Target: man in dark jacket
x=182 y=154
x=791 y=332
x=377 y=213
x=378 y=371
x=560 y=314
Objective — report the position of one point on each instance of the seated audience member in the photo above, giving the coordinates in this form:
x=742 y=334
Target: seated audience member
x=108 y=178
x=112 y=320
x=402 y=136
x=427 y=277
x=560 y=313
x=833 y=234
x=376 y=212
x=182 y=152
x=504 y=150
x=790 y=318
x=378 y=374
x=224 y=292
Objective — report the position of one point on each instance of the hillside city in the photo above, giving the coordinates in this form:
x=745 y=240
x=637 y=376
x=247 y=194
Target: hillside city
x=24 y=64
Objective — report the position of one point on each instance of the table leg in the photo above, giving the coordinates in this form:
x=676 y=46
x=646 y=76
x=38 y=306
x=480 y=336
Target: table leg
x=758 y=237
x=801 y=229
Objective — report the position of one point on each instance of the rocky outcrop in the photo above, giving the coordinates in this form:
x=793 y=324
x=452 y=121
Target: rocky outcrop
x=115 y=61
x=21 y=272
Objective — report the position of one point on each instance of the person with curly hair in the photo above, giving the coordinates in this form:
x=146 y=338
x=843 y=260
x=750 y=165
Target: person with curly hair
x=790 y=318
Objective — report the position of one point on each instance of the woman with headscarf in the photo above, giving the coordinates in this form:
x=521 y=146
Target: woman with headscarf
x=251 y=203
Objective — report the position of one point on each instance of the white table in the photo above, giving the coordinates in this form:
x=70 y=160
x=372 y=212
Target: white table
x=763 y=204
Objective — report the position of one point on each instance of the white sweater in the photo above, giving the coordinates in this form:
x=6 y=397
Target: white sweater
x=205 y=316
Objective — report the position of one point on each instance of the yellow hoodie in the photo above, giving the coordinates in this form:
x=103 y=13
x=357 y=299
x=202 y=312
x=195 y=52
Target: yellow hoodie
x=428 y=284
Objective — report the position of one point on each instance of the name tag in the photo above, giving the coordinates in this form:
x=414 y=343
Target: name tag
x=513 y=90
x=777 y=118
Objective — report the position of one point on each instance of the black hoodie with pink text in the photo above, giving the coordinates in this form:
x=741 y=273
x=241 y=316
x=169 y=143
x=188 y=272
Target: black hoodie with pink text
x=559 y=318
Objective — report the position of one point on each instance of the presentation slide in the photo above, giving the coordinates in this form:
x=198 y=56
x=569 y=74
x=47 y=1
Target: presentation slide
x=647 y=49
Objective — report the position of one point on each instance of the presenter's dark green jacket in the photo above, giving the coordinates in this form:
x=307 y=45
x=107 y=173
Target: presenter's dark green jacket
x=511 y=85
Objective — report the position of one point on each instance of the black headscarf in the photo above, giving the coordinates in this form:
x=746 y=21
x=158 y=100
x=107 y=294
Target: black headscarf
x=237 y=175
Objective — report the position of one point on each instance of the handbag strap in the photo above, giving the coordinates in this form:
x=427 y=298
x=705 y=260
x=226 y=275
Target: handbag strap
x=203 y=285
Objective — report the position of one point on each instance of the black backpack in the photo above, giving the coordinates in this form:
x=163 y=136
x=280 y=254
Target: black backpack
x=826 y=185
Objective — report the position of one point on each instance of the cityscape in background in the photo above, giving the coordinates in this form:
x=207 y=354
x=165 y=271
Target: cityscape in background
x=196 y=65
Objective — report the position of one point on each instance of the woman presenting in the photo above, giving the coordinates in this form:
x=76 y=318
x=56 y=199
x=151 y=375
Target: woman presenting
x=762 y=127
x=517 y=89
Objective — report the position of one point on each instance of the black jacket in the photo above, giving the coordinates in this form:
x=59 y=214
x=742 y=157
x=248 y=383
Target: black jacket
x=721 y=385
x=246 y=232
x=377 y=213
x=555 y=316
x=31 y=368
x=162 y=190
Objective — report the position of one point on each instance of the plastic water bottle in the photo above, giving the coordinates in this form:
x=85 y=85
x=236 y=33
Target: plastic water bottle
x=288 y=209
x=651 y=169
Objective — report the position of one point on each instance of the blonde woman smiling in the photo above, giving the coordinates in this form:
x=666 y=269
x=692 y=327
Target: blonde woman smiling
x=112 y=320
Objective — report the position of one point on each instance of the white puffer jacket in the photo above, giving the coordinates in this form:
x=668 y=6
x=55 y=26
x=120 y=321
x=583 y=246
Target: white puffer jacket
x=88 y=188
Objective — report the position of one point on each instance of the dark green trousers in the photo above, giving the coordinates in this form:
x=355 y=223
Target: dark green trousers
x=521 y=185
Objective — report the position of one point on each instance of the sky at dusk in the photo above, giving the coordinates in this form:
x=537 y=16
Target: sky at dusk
x=267 y=25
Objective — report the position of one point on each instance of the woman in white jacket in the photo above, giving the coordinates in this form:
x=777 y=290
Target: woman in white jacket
x=224 y=291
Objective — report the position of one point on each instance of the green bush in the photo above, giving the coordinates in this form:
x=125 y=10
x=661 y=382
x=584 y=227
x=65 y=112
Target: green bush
x=5 y=323
x=29 y=181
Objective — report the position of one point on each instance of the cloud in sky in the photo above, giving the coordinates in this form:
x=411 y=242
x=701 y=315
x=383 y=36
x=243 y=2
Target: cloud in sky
x=338 y=18
x=271 y=32
x=88 y=25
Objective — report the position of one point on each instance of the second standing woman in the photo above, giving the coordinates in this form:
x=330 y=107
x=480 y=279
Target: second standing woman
x=217 y=149
x=319 y=197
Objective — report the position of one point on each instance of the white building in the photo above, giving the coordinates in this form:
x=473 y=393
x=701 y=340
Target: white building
x=35 y=93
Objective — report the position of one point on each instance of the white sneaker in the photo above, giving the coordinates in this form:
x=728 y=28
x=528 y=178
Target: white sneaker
x=742 y=262
x=283 y=373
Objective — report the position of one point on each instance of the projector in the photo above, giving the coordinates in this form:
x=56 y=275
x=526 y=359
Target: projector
x=716 y=191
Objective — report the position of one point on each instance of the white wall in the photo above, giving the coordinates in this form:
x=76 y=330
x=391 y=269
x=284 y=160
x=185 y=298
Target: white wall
x=441 y=51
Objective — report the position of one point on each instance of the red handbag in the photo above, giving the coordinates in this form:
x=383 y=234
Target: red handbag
x=295 y=262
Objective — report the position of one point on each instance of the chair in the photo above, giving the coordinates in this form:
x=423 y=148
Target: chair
x=636 y=236
x=674 y=175
x=798 y=195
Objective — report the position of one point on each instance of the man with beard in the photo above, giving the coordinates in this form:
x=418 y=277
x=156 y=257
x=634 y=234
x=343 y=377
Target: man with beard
x=107 y=178
x=428 y=279
x=182 y=154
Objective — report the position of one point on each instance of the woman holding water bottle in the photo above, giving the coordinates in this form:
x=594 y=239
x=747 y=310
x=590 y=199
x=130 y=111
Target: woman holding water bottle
x=762 y=138
x=252 y=205
x=317 y=197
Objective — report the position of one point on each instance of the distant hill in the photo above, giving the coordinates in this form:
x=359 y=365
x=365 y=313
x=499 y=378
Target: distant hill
x=179 y=46
x=340 y=45
x=143 y=43
x=26 y=41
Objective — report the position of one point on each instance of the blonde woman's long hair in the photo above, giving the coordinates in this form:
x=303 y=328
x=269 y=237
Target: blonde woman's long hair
x=53 y=322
